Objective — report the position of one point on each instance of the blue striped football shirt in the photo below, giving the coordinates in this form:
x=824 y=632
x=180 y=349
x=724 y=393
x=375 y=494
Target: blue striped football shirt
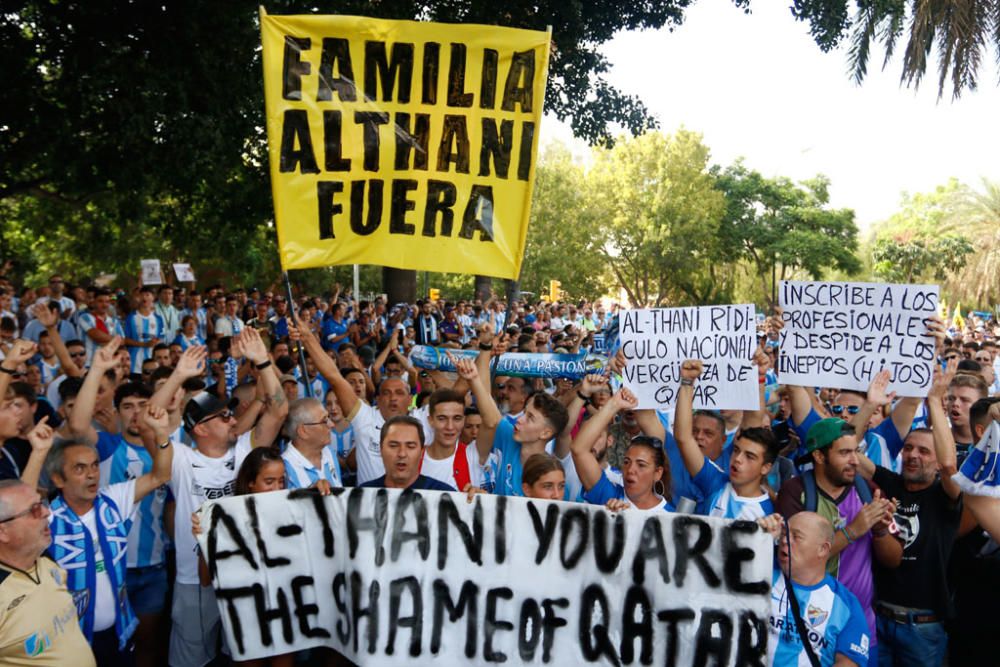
x=301 y=473
x=88 y=321
x=142 y=328
x=120 y=462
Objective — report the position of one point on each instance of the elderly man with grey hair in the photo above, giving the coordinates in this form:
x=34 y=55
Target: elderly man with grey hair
x=38 y=620
x=90 y=527
x=310 y=460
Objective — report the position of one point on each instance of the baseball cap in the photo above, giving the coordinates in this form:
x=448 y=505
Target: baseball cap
x=822 y=434
x=203 y=405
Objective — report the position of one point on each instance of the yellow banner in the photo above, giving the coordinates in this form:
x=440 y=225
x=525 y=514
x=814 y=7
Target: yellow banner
x=402 y=143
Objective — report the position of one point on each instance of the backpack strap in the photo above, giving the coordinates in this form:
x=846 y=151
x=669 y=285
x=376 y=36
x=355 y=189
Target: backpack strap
x=809 y=485
x=864 y=491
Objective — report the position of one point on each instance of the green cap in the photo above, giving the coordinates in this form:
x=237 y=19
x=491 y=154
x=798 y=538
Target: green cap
x=822 y=434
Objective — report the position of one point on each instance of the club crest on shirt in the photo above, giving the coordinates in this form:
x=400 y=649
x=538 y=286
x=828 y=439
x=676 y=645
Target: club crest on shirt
x=81 y=600
x=36 y=644
x=815 y=615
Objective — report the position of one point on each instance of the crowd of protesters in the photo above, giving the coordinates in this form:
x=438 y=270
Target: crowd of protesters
x=123 y=412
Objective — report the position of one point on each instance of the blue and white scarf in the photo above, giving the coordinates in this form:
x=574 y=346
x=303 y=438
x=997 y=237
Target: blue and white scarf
x=73 y=549
x=980 y=473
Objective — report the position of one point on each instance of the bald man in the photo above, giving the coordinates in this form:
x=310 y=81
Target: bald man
x=38 y=621
x=831 y=617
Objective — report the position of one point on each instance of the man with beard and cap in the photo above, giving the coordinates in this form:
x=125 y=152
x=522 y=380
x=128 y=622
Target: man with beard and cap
x=913 y=600
x=857 y=510
x=208 y=472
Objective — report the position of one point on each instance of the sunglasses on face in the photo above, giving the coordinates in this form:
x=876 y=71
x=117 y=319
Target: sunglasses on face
x=839 y=409
x=225 y=415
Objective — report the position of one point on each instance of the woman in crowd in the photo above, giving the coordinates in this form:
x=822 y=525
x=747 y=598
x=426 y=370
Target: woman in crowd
x=543 y=478
x=644 y=466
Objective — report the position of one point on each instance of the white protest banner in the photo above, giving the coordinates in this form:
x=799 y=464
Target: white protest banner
x=656 y=340
x=387 y=576
x=151 y=272
x=184 y=273
x=841 y=334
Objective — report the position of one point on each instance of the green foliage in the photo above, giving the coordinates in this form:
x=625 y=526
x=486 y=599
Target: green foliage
x=784 y=230
x=563 y=239
x=131 y=130
x=919 y=260
x=955 y=232
x=960 y=31
x=661 y=216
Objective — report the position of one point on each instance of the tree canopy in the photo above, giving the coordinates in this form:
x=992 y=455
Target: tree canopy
x=136 y=129
x=960 y=32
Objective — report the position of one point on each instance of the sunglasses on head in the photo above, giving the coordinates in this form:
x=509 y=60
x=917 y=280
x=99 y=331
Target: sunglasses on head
x=839 y=409
x=646 y=440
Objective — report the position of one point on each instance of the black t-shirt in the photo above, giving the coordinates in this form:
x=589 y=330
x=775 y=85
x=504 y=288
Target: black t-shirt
x=422 y=483
x=928 y=521
x=13 y=457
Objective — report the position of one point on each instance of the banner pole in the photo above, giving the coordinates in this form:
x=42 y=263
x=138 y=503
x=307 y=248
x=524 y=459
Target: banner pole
x=357 y=282
x=302 y=350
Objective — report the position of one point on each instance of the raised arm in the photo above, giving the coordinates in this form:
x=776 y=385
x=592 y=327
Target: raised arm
x=20 y=352
x=80 y=425
x=190 y=365
x=590 y=384
x=40 y=438
x=348 y=400
x=486 y=434
x=250 y=345
x=693 y=457
x=588 y=468
x=877 y=398
x=488 y=410
x=50 y=320
x=155 y=433
x=383 y=356
x=944 y=441
x=755 y=418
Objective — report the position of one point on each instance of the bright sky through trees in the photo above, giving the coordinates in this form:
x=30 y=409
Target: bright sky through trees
x=758 y=86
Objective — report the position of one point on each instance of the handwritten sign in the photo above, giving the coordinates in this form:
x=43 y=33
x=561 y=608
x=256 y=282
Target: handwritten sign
x=841 y=334
x=656 y=341
x=184 y=273
x=151 y=272
x=386 y=577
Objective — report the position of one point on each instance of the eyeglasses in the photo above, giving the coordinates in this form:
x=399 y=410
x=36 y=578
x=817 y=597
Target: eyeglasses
x=839 y=409
x=37 y=511
x=326 y=420
x=77 y=354
x=225 y=415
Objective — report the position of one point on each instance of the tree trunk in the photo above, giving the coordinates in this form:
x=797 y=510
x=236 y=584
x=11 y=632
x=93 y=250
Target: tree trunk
x=513 y=289
x=399 y=285
x=483 y=286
